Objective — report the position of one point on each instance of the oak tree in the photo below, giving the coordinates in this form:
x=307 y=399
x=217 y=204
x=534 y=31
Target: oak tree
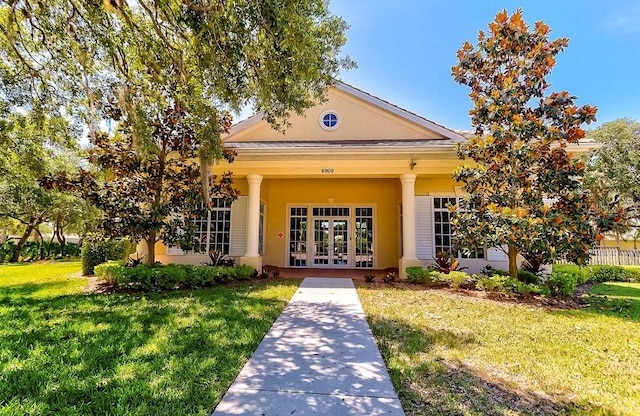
x=149 y=58
x=613 y=173
x=524 y=187
x=32 y=144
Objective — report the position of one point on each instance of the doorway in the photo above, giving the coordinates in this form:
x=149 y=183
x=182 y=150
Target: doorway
x=331 y=243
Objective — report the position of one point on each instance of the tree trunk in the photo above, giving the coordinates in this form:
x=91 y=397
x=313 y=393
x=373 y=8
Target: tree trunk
x=59 y=234
x=4 y=233
x=41 y=249
x=23 y=240
x=513 y=257
x=151 y=249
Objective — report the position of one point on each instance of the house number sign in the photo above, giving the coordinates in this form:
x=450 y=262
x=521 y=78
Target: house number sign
x=327 y=170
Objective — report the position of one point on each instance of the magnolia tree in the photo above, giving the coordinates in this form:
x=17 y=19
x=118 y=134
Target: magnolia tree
x=148 y=195
x=524 y=187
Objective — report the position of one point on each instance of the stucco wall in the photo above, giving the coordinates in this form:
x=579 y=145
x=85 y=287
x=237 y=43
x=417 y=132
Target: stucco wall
x=382 y=194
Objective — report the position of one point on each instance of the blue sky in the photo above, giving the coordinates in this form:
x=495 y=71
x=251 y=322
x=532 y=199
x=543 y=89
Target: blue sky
x=405 y=50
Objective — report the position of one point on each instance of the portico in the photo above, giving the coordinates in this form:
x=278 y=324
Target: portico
x=356 y=183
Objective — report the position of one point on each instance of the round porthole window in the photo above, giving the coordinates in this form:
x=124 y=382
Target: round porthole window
x=329 y=120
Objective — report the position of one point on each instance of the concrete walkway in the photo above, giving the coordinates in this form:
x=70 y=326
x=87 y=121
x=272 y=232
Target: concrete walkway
x=318 y=358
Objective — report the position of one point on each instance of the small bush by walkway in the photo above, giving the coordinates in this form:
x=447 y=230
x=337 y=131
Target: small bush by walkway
x=174 y=353
x=170 y=276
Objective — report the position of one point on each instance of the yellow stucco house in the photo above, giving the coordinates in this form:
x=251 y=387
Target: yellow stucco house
x=357 y=183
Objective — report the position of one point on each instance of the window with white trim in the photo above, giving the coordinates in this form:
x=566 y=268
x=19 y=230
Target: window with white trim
x=364 y=237
x=298 y=237
x=213 y=230
x=329 y=120
x=443 y=231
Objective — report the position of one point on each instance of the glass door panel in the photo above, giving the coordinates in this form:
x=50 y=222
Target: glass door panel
x=322 y=249
x=340 y=252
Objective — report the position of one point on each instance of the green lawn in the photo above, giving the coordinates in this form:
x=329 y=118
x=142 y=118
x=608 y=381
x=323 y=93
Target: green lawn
x=617 y=299
x=64 y=352
x=450 y=354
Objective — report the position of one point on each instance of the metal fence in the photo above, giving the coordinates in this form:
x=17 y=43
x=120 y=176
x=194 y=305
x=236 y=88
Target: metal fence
x=613 y=256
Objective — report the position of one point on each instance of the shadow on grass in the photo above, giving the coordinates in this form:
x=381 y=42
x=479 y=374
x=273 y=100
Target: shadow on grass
x=173 y=353
x=620 y=300
x=429 y=385
x=28 y=289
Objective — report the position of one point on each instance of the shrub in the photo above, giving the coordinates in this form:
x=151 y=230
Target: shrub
x=390 y=275
x=97 y=252
x=6 y=250
x=528 y=277
x=456 y=279
x=416 y=274
x=171 y=276
x=93 y=254
x=493 y=283
x=518 y=287
x=599 y=274
x=242 y=272
x=562 y=283
x=110 y=272
x=369 y=277
x=489 y=270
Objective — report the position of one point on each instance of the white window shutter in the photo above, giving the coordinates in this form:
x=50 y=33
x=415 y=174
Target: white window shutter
x=424 y=227
x=238 y=237
x=496 y=254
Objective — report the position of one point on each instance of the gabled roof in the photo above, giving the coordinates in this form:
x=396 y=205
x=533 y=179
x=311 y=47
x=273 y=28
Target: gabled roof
x=399 y=111
x=441 y=132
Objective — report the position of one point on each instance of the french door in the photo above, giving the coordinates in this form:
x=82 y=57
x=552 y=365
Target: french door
x=331 y=243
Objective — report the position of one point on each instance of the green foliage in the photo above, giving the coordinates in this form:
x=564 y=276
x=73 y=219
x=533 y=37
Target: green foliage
x=600 y=274
x=111 y=272
x=492 y=283
x=517 y=287
x=456 y=279
x=528 y=277
x=97 y=252
x=611 y=173
x=31 y=249
x=243 y=272
x=489 y=270
x=416 y=274
x=561 y=283
x=519 y=152
x=170 y=276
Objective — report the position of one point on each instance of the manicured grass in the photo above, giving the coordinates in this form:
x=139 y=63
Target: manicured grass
x=66 y=352
x=452 y=354
x=617 y=299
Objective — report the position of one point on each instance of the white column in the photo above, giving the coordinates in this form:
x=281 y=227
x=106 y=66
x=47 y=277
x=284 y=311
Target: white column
x=408 y=216
x=253 y=215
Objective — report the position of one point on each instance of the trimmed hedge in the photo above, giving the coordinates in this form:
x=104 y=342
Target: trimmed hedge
x=563 y=280
x=566 y=277
x=170 y=276
x=98 y=252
